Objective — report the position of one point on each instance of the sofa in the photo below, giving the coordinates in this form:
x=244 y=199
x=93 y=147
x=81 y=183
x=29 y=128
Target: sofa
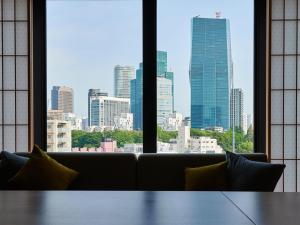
x=126 y=171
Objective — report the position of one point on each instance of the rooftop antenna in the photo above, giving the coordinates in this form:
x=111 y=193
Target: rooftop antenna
x=218 y=14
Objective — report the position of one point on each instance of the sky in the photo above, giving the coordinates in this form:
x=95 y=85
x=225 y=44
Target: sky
x=87 y=39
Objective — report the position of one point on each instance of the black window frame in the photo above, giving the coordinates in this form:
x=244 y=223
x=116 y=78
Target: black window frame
x=149 y=78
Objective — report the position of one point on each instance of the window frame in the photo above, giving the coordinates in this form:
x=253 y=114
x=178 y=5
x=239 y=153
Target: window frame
x=149 y=78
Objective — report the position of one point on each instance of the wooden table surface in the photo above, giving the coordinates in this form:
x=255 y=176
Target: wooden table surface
x=148 y=208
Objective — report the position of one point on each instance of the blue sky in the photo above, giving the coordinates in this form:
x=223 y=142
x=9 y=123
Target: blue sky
x=86 y=39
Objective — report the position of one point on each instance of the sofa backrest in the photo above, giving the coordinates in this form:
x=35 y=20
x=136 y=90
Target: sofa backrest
x=124 y=171
x=166 y=171
x=104 y=171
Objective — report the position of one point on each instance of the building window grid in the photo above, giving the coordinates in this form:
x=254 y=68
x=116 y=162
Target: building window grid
x=19 y=86
x=283 y=94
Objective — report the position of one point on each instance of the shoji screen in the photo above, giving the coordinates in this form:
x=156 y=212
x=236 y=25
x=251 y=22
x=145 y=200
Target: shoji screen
x=284 y=90
x=14 y=75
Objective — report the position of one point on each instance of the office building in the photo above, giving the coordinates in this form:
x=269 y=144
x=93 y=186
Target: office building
x=62 y=98
x=165 y=92
x=122 y=77
x=237 y=108
x=210 y=73
x=93 y=93
x=104 y=110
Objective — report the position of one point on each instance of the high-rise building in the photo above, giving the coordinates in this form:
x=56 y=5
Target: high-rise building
x=210 y=73
x=122 y=77
x=104 y=110
x=237 y=108
x=93 y=93
x=165 y=92
x=62 y=98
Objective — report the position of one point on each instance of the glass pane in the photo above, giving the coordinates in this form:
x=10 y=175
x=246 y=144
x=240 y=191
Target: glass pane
x=21 y=38
x=94 y=76
x=277 y=9
x=277 y=37
x=9 y=109
x=22 y=139
x=21 y=9
x=8 y=38
x=8 y=9
x=204 y=77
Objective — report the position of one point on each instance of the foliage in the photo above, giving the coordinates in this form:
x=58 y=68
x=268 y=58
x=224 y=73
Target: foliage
x=243 y=143
x=92 y=139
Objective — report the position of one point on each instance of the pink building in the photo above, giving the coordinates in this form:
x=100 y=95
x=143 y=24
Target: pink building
x=108 y=145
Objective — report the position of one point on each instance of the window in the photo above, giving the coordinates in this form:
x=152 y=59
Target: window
x=15 y=76
x=94 y=67
x=205 y=76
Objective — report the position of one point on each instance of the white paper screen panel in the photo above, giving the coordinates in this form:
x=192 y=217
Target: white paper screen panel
x=284 y=90
x=14 y=75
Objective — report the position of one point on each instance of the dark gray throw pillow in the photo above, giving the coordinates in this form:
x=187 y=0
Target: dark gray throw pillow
x=10 y=164
x=247 y=175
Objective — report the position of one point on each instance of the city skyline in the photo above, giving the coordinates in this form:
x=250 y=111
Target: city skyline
x=68 y=72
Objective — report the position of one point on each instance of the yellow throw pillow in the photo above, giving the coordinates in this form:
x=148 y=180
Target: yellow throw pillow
x=207 y=178
x=41 y=172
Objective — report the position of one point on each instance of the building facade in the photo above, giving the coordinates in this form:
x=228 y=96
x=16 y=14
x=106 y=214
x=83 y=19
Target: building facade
x=124 y=122
x=122 y=77
x=59 y=138
x=237 y=108
x=104 y=110
x=165 y=92
x=204 y=145
x=173 y=122
x=62 y=98
x=93 y=93
x=210 y=73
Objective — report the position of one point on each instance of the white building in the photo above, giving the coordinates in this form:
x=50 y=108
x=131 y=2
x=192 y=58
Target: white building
x=245 y=123
x=85 y=124
x=173 y=122
x=164 y=100
x=122 y=77
x=133 y=148
x=124 y=121
x=104 y=109
x=59 y=137
x=182 y=138
x=76 y=122
x=204 y=145
x=236 y=108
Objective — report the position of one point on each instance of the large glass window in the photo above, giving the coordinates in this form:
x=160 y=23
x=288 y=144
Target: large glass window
x=94 y=76
x=205 y=76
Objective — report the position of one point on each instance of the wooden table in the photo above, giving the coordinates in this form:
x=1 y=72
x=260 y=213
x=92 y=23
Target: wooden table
x=148 y=208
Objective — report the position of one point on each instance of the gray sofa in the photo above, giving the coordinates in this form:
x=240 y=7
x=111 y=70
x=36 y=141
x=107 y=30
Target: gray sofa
x=125 y=171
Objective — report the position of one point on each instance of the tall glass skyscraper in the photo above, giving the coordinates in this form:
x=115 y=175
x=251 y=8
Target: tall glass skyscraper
x=210 y=73
x=165 y=92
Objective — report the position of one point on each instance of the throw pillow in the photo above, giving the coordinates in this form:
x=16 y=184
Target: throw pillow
x=207 y=178
x=41 y=172
x=10 y=164
x=247 y=175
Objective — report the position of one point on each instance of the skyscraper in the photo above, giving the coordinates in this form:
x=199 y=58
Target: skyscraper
x=210 y=73
x=62 y=99
x=93 y=93
x=237 y=108
x=165 y=92
x=122 y=77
